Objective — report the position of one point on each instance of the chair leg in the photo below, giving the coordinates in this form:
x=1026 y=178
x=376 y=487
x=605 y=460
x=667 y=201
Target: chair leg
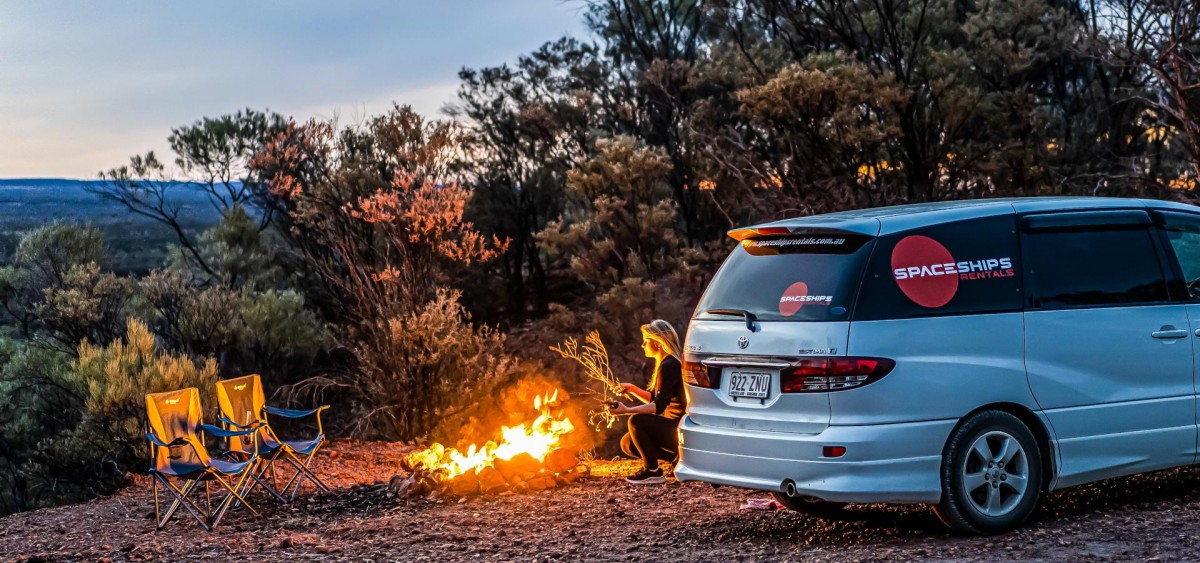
x=257 y=480
x=232 y=497
x=187 y=486
x=154 y=489
x=303 y=472
x=181 y=499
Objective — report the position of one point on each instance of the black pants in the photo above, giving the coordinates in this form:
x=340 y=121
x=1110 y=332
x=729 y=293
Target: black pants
x=653 y=438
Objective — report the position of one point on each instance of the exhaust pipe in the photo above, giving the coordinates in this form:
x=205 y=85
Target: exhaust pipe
x=789 y=488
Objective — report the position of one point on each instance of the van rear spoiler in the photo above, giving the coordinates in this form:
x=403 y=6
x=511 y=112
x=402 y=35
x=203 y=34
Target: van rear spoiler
x=745 y=233
x=751 y=232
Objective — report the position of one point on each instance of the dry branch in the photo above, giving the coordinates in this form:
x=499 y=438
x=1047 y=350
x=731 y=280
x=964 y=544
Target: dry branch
x=593 y=356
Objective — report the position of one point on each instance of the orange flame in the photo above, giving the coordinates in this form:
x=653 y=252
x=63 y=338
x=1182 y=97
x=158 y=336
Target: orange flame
x=537 y=438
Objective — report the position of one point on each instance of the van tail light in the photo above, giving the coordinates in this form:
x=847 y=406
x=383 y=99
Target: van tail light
x=700 y=375
x=821 y=375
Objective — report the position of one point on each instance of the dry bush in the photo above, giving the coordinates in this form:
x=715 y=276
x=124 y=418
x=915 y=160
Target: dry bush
x=416 y=370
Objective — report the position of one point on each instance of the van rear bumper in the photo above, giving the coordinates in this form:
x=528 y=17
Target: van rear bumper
x=883 y=463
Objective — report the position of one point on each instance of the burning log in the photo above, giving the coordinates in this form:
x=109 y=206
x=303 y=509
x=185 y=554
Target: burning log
x=527 y=457
x=491 y=481
x=463 y=485
x=418 y=483
x=521 y=467
x=560 y=460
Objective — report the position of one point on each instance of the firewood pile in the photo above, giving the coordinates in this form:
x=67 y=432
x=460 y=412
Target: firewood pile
x=521 y=473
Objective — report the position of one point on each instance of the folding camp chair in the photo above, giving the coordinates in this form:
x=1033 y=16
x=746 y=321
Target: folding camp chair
x=177 y=452
x=243 y=405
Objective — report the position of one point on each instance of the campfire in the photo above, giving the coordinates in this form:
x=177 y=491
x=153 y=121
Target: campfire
x=528 y=456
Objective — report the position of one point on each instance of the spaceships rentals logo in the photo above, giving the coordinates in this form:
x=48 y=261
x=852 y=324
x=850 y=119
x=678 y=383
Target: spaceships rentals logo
x=929 y=275
x=797 y=296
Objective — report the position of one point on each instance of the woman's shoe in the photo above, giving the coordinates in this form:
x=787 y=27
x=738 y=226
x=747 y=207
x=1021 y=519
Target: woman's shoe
x=646 y=477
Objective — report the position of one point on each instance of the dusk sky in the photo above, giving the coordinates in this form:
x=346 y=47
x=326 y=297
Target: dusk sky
x=83 y=86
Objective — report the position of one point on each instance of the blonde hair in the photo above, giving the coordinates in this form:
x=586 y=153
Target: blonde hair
x=664 y=334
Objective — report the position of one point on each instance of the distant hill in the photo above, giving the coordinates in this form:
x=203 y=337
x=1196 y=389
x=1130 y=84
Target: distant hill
x=135 y=243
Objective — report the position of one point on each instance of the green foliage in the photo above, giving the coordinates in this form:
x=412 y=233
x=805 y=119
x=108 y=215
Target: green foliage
x=41 y=405
x=239 y=252
x=109 y=441
x=86 y=306
x=826 y=125
x=195 y=320
x=278 y=335
x=619 y=238
x=56 y=293
x=526 y=125
x=76 y=426
x=268 y=332
x=621 y=222
x=52 y=250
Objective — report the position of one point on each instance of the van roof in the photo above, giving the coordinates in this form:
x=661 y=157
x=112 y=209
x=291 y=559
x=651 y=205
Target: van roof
x=886 y=220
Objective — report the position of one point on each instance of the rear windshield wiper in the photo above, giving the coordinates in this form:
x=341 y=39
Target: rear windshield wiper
x=750 y=318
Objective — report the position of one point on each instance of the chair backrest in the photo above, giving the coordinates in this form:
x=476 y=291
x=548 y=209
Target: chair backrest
x=172 y=415
x=241 y=400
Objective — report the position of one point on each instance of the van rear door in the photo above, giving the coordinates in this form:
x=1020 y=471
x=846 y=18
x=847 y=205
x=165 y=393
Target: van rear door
x=779 y=297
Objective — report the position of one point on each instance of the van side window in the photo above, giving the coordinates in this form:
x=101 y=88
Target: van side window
x=1092 y=267
x=1183 y=234
x=949 y=269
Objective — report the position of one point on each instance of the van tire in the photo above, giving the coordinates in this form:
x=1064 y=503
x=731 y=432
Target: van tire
x=815 y=507
x=964 y=508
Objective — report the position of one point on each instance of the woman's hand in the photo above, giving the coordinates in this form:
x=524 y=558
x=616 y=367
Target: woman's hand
x=629 y=388
x=619 y=409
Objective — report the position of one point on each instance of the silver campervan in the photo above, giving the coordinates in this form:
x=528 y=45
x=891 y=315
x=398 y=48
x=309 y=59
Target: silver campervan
x=968 y=355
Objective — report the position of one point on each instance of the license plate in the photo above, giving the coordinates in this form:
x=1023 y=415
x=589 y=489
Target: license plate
x=749 y=384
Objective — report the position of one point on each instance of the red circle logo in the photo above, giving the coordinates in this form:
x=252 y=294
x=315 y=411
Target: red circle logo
x=924 y=270
x=793 y=299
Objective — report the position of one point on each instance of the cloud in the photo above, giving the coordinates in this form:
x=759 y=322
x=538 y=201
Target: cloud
x=89 y=84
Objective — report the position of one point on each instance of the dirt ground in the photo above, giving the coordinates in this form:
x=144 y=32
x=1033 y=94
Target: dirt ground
x=601 y=518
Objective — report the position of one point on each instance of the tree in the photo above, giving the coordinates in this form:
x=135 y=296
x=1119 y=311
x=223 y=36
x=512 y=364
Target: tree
x=1160 y=40
x=213 y=155
x=525 y=125
x=57 y=293
x=377 y=217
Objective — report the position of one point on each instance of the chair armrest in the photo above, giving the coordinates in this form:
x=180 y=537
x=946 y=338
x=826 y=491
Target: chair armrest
x=223 y=433
x=291 y=413
x=154 y=439
x=252 y=424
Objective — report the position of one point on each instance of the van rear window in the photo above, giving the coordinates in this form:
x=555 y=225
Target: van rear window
x=810 y=277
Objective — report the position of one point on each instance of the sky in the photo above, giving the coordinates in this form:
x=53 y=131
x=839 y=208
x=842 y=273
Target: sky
x=86 y=85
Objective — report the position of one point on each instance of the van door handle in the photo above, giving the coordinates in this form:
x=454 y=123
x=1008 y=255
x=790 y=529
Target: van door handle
x=1169 y=332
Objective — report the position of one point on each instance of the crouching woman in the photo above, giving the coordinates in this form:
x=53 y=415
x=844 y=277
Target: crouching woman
x=653 y=426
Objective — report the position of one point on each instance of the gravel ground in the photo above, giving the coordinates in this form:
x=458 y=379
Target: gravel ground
x=601 y=518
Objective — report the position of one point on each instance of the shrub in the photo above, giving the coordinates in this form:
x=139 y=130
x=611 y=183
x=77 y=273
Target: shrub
x=238 y=252
x=109 y=441
x=87 y=305
x=277 y=335
x=40 y=406
x=56 y=292
x=418 y=369
x=199 y=321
